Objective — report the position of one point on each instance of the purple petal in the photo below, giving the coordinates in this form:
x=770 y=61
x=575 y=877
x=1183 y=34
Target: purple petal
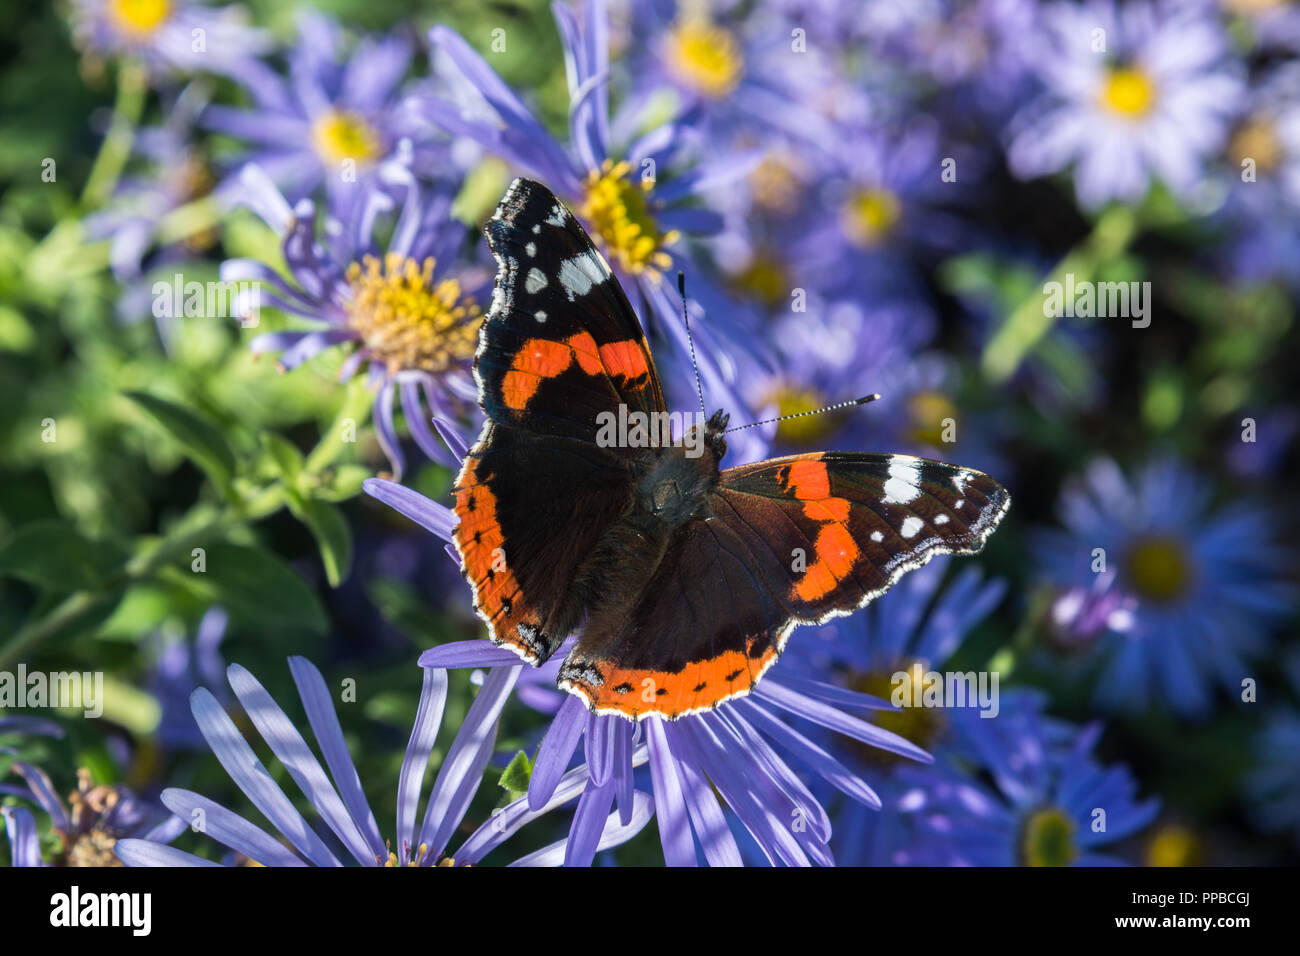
x=229 y=829
x=613 y=833
x=144 y=853
x=292 y=751
x=430 y=515
x=462 y=770
x=588 y=824
x=24 y=845
x=251 y=777
x=674 y=826
x=457 y=654
x=556 y=751
x=428 y=720
x=324 y=721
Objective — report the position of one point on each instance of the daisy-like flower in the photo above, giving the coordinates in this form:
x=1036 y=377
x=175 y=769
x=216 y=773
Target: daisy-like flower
x=1133 y=93
x=1052 y=804
x=1205 y=584
x=742 y=750
x=410 y=316
x=168 y=36
x=915 y=632
x=333 y=120
x=632 y=201
x=88 y=824
x=131 y=222
x=338 y=796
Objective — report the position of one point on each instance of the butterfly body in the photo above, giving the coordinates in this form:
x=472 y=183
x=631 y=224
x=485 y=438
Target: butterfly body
x=683 y=578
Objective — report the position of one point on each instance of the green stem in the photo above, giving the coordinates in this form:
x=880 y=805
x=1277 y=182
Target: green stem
x=132 y=85
x=358 y=400
x=1030 y=321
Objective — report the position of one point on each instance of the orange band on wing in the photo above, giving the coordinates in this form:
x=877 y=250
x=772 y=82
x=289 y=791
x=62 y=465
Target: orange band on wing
x=807 y=478
x=834 y=556
x=625 y=359
x=699 y=686
x=481 y=544
x=540 y=359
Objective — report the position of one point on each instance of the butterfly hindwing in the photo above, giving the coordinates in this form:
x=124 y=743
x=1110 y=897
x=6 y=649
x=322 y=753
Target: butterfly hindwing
x=561 y=343
x=531 y=510
x=789 y=541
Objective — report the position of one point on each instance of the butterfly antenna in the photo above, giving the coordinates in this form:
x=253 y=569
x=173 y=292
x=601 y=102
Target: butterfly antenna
x=817 y=411
x=686 y=318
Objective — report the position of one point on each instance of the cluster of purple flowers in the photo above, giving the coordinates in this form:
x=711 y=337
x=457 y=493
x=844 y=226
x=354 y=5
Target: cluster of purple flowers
x=810 y=167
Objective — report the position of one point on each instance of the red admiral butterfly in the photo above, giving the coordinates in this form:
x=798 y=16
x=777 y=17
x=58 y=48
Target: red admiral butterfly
x=686 y=579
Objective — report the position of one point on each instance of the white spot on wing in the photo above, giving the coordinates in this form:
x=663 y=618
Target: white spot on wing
x=580 y=273
x=557 y=216
x=537 y=228
x=911 y=526
x=877 y=536
x=531 y=249
x=535 y=281
x=940 y=519
x=540 y=315
x=903 y=485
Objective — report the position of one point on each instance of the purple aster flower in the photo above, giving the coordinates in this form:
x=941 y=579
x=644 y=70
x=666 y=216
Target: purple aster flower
x=338 y=796
x=1263 y=205
x=1137 y=92
x=1051 y=804
x=87 y=825
x=1206 y=583
x=915 y=632
x=688 y=757
x=409 y=315
x=332 y=120
x=636 y=200
x=181 y=664
x=168 y=36
x=133 y=219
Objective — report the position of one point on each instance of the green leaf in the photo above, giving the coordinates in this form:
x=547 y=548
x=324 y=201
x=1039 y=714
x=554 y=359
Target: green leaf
x=285 y=457
x=256 y=583
x=342 y=483
x=332 y=534
x=54 y=555
x=201 y=439
x=517 y=774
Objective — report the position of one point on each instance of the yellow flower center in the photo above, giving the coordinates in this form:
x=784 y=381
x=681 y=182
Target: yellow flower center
x=1174 y=845
x=1158 y=569
x=617 y=210
x=923 y=726
x=339 y=135
x=763 y=279
x=793 y=399
x=1257 y=139
x=928 y=412
x=406 y=321
x=1128 y=91
x=870 y=215
x=140 y=16
x=705 y=57
x=1047 y=839
x=776 y=183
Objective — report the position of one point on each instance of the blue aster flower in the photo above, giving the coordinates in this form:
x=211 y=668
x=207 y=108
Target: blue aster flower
x=180 y=665
x=637 y=198
x=338 y=796
x=915 y=630
x=87 y=825
x=1052 y=803
x=333 y=120
x=1154 y=103
x=168 y=36
x=175 y=174
x=1206 y=583
x=411 y=315
x=744 y=749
